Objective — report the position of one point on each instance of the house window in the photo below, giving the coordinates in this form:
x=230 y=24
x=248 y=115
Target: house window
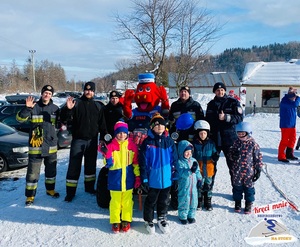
x=270 y=98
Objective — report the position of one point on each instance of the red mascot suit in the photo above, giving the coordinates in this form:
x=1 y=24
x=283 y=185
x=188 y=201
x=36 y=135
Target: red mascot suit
x=149 y=99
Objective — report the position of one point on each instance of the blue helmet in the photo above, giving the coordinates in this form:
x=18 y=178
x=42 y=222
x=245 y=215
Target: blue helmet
x=244 y=126
x=184 y=122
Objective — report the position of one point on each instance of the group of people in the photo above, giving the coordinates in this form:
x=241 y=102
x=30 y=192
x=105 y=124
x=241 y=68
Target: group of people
x=181 y=170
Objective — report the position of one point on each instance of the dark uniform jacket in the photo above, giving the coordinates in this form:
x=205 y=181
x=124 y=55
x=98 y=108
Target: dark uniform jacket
x=87 y=118
x=223 y=132
x=112 y=113
x=190 y=106
x=44 y=117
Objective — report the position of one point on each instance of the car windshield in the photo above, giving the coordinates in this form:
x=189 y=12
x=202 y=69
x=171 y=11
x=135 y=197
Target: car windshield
x=6 y=130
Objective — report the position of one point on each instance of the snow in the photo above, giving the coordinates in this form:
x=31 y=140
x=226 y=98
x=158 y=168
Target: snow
x=53 y=222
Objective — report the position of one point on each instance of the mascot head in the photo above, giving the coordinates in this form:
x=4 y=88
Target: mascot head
x=147 y=94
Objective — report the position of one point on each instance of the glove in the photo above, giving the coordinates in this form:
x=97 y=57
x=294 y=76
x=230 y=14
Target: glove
x=137 y=182
x=37 y=137
x=175 y=185
x=102 y=148
x=256 y=175
x=199 y=184
x=145 y=187
x=215 y=157
x=194 y=167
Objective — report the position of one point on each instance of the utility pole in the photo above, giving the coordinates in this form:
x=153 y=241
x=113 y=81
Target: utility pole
x=33 y=71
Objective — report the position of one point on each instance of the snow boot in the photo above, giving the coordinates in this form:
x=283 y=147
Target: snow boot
x=248 y=206
x=150 y=227
x=29 y=200
x=238 y=206
x=207 y=202
x=200 y=199
x=52 y=193
x=183 y=222
x=191 y=220
x=163 y=225
x=125 y=226
x=290 y=154
x=116 y=227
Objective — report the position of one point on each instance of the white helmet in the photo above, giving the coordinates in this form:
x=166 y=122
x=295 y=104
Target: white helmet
x=201 y=125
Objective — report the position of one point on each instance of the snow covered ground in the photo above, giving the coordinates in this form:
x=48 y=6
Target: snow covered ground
x=53 y=222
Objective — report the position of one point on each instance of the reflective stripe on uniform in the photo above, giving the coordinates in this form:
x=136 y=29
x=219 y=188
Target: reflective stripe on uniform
x=72 y=183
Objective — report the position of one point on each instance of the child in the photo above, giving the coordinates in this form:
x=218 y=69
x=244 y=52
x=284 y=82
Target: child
x=189 y=178
x=124 y=174
x=247 y=164
x=207 y=156
x=157 y=159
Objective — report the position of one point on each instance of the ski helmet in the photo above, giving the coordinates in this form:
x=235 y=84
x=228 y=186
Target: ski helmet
x=184 y=122
x=201 y=125
x=244 y=126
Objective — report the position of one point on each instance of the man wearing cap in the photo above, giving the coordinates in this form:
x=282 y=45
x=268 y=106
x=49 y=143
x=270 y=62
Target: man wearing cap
x=288 y=116
x=223 y=113
x=185 y=104
x=88 y=121
x=113 y=111
x=42 y=142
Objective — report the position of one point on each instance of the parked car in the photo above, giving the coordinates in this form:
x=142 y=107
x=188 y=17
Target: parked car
x=9 y=118
x=10 y=109
x=20 y=98
x=13 y=148
x=3 y=102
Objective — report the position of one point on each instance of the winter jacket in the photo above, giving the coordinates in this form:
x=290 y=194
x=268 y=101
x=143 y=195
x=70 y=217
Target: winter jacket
x=223 y=132
x=288 y=112
x=202 y=153
x=158 y=159
x=87 y=118
x=122 y=161
x=190 y=106
x=44 y=117
x=249 y=159
x=112 y=113
x=187 y=182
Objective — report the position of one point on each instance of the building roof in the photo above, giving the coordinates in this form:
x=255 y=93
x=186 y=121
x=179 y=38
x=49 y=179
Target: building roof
x=272 y=73
x=230 y=79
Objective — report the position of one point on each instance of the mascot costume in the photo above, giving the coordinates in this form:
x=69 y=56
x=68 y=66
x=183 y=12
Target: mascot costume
x=149 y=99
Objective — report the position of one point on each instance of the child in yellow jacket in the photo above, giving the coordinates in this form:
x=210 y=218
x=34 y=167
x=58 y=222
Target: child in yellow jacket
x=124 y=175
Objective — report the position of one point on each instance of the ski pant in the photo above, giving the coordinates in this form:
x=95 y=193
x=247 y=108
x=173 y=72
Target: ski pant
x=121 y=206
x=187 y=202
x=288 y=140
x=33 y=173
x=207 y=186
x=229 y=163
x=82 y=148
x=159 y=198
x=238 y=191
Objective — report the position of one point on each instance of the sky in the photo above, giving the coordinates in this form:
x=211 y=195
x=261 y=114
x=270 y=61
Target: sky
x=80 y=37
x=53 y=222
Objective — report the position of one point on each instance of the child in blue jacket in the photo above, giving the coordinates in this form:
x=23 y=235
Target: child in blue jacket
x=157 y=160
x=189 y=178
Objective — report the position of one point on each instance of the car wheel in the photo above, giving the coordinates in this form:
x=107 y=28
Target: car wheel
x=3 y=164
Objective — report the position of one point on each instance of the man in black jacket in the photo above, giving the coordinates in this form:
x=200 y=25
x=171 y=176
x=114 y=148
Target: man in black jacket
x=113 y=111
x=42 y=142
x=185 y=104
x=88 y=121
x=223 y=113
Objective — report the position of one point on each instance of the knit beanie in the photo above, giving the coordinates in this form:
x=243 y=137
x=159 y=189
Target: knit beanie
x=189 y=147
x=156 y=120
x=185 y=88
x=47 y=88
x=120 y=127
x=219 y=85
x=89 y=86
x=114 y=94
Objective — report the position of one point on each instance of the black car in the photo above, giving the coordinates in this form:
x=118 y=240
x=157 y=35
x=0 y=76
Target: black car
x=20 y=98
x=9 y=118
x=13 y=148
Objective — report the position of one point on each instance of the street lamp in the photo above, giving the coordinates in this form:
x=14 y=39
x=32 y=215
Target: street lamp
x=33 y=72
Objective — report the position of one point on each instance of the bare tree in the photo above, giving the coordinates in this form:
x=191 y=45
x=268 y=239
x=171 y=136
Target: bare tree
x=160 y=28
